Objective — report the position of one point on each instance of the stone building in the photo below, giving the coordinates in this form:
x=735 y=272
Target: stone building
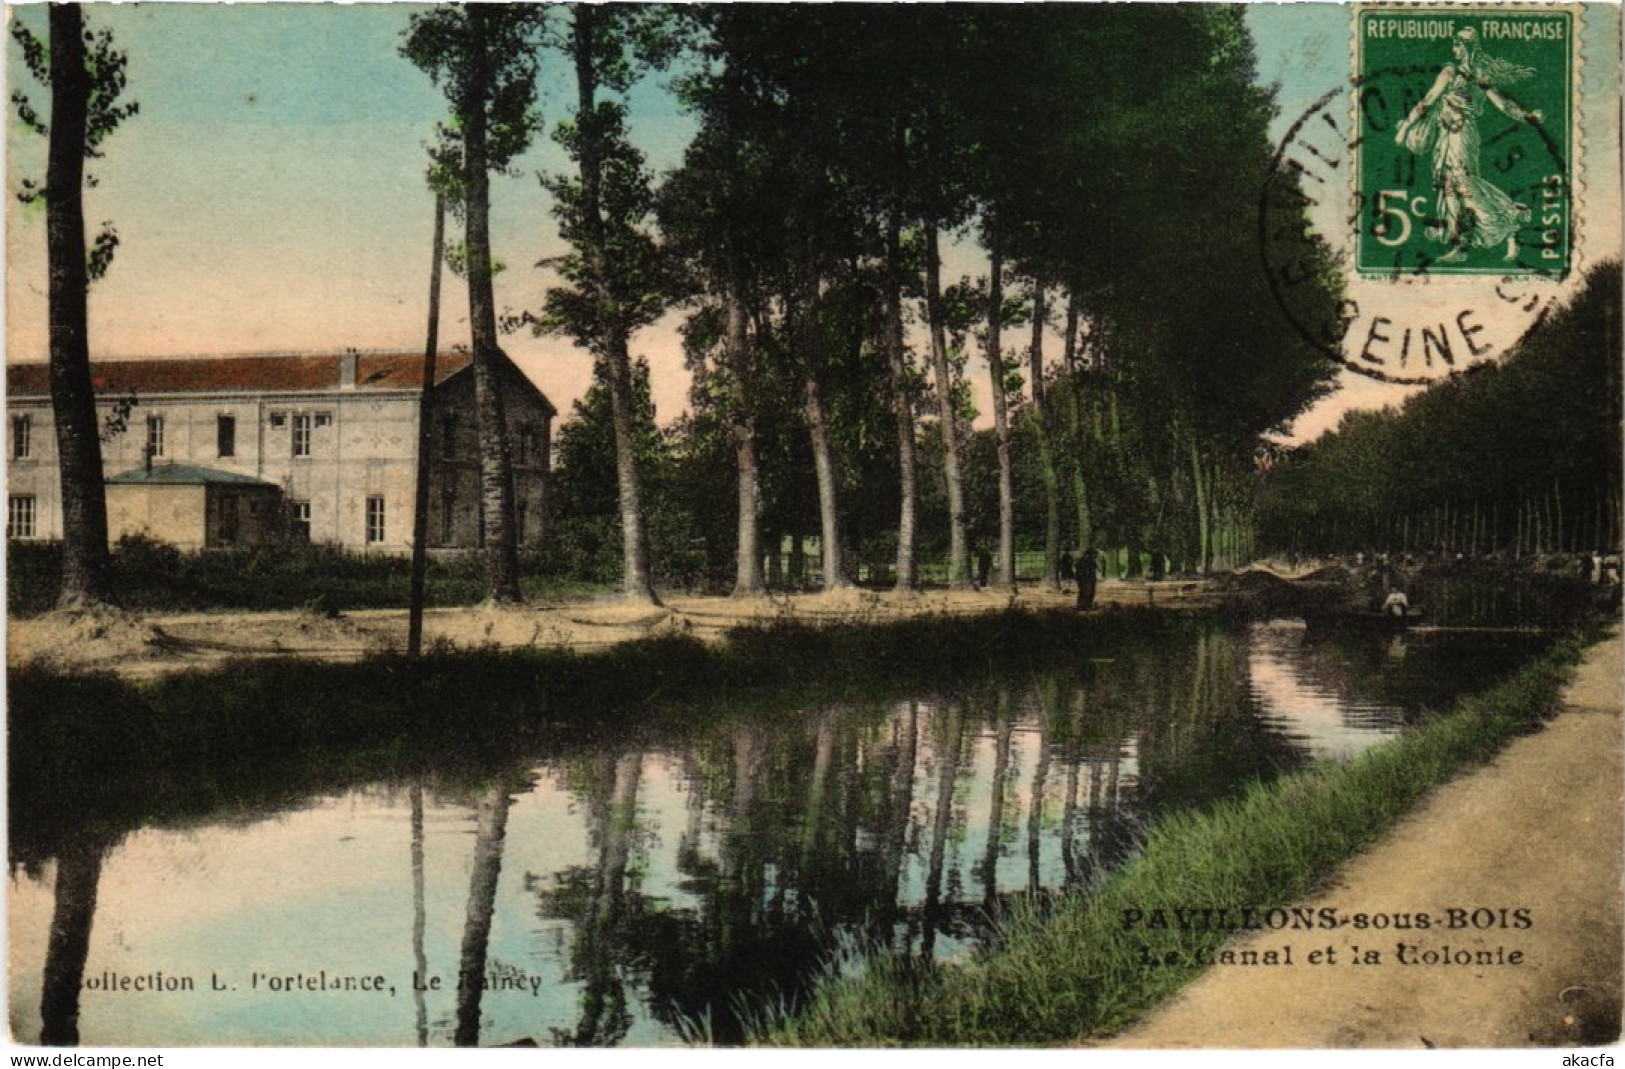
x=222 y=450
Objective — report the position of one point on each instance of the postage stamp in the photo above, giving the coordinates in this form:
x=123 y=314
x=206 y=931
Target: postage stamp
x=1444 y=177
x=1464 y=140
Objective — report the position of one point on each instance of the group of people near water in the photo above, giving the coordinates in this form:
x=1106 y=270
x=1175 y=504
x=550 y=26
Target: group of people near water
x=1384 y=578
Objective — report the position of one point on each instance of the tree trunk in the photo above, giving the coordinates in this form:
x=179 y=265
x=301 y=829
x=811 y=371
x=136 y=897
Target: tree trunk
x=636 y=581
x=1203 y=521
x=1080 y=491
x=829 y=527
x=959 y=573
x=1074 y=386
x=1069 y=347
x=902 y=406
x=489 y=832
x=775 y=559
x=496 y=466
x=742 y=422
x=1046 y=450
x=420 y=501
x=1557 y=514
x=86 y=571
x=1001 y=418
x=798 y=559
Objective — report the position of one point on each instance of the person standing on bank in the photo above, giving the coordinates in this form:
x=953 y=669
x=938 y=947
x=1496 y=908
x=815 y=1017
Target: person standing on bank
x=1087 y=567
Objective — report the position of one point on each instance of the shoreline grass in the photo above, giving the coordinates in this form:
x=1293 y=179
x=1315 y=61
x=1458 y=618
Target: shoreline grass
x=154 y=577
x=1070 y=972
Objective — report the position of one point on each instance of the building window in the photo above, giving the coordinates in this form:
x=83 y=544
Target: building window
x=299 y=521
x=155 y=436
x=519 y=516
x=448 y=438
x=528 y=451
x=279 y=419
x=324 y=419
x=22 y=437
x=375 y=521
x=301 y=435
x=227 y=531
x=20 y=516
x=225 y=433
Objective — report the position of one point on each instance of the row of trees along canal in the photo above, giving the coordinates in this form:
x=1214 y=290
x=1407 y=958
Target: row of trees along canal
x=1106 y=159
x=1522 y=456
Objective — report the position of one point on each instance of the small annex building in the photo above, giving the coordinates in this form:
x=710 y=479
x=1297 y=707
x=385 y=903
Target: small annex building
x=224 y=450
x=194 y=508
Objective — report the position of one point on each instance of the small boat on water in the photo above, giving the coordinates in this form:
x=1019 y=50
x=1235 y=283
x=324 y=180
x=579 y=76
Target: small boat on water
x=1363 y=619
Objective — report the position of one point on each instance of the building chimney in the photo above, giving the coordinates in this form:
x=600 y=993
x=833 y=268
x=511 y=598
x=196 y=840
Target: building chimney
x=347 y=366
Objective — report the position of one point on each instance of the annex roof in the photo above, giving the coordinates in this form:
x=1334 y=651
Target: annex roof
x=264 y=373
x=186 y=475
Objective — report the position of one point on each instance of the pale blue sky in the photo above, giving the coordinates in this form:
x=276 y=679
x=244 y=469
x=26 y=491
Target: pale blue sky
x=269 y=196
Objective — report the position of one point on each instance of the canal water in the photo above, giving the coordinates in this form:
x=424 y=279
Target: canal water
x=661 y=889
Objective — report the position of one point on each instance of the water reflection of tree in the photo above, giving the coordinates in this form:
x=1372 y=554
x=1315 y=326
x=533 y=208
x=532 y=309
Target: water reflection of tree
x=491 y=824
x=797 y=831
x=1198 y=737
x=899 y=818
x=420 y=960
x=949 y=748
x=791 y=835
x=78 y=874
x=988 y=870
x=596 y=899
x=615 y=928
x=1044 y=692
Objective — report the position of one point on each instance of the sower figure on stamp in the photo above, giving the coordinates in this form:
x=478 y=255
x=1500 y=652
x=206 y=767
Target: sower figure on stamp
x=1470 y=210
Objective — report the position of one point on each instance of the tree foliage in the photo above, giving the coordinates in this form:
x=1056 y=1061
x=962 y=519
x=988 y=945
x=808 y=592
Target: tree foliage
x=1522 y=455
x=1114 y=154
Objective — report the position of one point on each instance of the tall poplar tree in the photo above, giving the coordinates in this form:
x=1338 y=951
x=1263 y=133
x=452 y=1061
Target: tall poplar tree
x=616 y=279
x=484 y=55
x=86 y=76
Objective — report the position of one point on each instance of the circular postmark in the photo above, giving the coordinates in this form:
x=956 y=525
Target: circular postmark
x=1445 y=244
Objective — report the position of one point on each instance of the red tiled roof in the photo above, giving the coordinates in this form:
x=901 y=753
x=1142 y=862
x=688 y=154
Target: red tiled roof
x=231 y=374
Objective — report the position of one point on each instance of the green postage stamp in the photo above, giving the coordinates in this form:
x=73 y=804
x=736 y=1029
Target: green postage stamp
x=1465 y=135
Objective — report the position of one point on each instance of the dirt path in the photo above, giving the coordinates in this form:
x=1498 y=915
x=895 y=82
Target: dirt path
x=148 y=645
x=1538 y=829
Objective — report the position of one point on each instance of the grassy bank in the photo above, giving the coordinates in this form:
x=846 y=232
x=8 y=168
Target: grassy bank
x=1071 y=971
x=93 y=754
